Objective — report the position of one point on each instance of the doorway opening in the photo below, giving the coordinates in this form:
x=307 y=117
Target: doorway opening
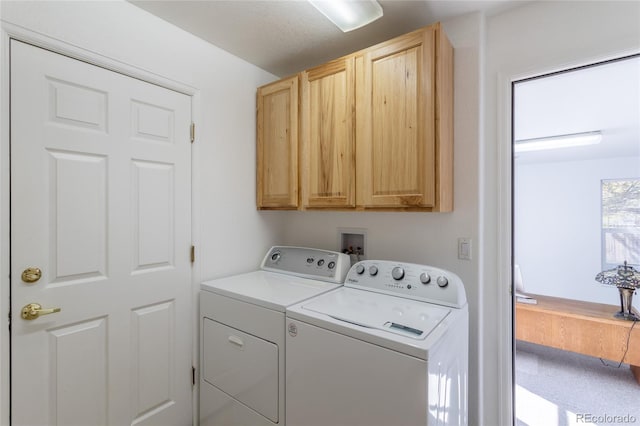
x=576 y=213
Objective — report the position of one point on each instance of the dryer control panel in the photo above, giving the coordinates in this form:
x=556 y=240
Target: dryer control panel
x=409 y=280
x=324 y=265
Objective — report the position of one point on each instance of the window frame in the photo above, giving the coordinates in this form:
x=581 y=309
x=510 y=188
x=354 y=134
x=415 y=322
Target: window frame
x=626 y=230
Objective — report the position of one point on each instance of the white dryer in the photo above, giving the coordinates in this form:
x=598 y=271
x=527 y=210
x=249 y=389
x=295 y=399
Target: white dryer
x=243 y=333
x=390 y=347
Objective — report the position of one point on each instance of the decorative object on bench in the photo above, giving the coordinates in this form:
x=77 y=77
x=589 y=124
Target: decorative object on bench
x=627 y=279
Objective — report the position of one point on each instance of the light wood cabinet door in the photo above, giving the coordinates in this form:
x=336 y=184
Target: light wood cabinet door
x=398 y=134
x=277 y=145
x=327 y=135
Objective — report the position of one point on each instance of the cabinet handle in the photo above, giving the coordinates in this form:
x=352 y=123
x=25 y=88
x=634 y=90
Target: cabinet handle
x=236 y=341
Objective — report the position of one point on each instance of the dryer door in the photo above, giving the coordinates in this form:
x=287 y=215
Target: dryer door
x=242 y=366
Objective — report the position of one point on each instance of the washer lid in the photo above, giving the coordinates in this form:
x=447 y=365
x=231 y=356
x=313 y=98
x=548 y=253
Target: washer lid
x=272 y=290
x=396 y=315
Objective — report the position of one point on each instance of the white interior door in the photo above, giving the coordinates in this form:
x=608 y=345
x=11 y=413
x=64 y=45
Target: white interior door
x=100 y=203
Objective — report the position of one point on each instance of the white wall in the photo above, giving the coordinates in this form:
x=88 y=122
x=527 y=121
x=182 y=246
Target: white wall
x=530 y=40
x=427 y=238
x=224 y=154
x=231 y=236
x=557 y=223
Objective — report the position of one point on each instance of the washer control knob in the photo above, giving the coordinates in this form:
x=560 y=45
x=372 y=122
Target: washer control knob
x=442 y=281
x=360 y=269
x=425 y=278
x=320 y=262
x=275 y=256
x=373 y=270
x=331 y=264
x=397 y=273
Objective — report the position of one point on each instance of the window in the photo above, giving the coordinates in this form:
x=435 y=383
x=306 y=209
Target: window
x=620 y=222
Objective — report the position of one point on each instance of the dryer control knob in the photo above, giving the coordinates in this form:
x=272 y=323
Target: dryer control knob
x=397 y=273
x=442 y=281
x=425 y=278
x=373 y=270
x=360 y=269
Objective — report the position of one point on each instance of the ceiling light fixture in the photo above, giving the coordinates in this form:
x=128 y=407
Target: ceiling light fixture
x=556 y=142
x=349 y=15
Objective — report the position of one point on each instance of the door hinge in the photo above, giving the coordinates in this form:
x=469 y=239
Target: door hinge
x=192 y=254
x=193 y=132
x=193 y=376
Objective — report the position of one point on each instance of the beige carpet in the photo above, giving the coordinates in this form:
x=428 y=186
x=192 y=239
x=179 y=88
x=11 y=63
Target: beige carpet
x=558 y=388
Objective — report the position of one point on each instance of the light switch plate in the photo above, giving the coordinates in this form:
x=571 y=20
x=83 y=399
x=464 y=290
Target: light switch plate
x=464 y=248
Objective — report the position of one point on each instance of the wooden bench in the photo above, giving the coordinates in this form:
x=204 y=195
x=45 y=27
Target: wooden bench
x=583 y=327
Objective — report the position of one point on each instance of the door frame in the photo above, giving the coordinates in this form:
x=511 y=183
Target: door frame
x=504 y=260
x=7 y=33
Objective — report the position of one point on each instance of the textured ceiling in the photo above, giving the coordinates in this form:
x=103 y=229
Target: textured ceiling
x=287 y=36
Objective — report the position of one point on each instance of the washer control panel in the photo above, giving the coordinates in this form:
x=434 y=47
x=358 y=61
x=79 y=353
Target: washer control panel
x=413 y=281
x=306 y=262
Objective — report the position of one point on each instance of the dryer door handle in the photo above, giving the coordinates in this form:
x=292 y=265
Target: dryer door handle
x=236 y=341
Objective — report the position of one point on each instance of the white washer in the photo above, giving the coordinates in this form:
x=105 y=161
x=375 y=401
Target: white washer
x=390 y=347
x=243 y=333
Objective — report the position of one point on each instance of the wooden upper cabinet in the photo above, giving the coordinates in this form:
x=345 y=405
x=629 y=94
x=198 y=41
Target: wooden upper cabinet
x=327 y=172
x=404 y=109
x=277 y=145
x=376 y=130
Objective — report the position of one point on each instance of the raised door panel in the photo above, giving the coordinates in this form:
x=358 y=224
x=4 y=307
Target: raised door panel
x=277 y=145
x=79 y=379
x=395 y=107
x=153 y=224
x=327 y=135
x=154 y=383
x=77 y=188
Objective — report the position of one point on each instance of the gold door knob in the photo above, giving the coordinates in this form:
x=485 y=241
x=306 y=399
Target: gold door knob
x=34 y=310
x=31 y=275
